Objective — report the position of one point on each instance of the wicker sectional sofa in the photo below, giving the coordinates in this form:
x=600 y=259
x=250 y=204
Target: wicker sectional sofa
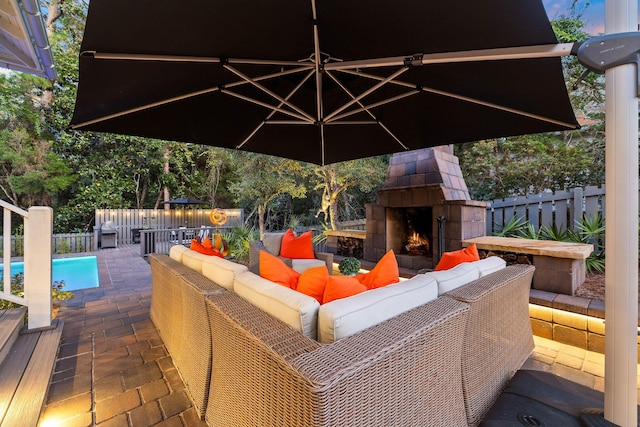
x=439 y=363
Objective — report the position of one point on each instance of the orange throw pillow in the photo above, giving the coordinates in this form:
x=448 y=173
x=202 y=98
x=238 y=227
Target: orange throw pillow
x=341 y=287
x=313 y=281
x=207 y=242
x=274 y=269
x=297 y=247
x=451 y=259
x=200 y=248
x=384 y=273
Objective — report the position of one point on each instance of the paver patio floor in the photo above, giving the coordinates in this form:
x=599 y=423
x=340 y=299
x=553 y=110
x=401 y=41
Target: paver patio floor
x=113 y=369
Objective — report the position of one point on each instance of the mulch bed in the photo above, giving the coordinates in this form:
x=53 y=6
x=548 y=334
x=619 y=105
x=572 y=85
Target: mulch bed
x=594 y=286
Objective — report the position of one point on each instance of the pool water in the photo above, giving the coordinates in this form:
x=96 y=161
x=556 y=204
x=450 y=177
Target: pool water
x=77 y=273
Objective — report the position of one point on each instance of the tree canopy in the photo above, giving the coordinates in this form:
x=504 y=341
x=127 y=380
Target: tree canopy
x=42 y=161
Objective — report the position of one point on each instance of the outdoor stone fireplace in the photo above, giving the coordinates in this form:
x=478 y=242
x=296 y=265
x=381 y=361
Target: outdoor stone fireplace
x=423 y=209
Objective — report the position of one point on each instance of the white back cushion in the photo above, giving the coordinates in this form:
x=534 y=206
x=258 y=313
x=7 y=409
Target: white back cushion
x=297 y=310
x=194 y=260
x=344 y=317
x=222 y=271
x=176 y=252
x=489 y=265
x=455 y=277
x=272 y=242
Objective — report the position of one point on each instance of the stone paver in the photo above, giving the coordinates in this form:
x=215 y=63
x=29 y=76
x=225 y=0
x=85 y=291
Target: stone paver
x=113 y=369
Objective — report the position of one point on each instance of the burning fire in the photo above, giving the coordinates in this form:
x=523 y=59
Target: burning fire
x=417 y=244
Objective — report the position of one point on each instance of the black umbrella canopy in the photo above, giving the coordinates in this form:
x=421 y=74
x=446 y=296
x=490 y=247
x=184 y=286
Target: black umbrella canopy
x=320 y=81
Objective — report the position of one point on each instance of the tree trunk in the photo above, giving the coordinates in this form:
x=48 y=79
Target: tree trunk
x=261 y=211
x=333 y=211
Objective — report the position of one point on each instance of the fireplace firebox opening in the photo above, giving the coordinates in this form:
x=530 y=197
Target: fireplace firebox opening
x=410 y=231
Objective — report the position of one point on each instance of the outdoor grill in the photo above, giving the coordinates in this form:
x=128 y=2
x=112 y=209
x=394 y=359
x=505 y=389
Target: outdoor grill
x=108 y=235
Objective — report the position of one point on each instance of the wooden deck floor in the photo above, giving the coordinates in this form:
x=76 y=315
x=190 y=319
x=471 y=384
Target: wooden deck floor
x=25 y=375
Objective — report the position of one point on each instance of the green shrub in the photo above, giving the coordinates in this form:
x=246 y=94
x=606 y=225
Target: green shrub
x=349 y=266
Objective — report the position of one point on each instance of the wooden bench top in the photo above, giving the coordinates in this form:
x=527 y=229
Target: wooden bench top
x=532 y=247
x=356 y=234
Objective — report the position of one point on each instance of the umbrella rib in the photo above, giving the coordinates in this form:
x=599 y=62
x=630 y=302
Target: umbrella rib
x=268 y=106
x=268 y=92
x=464 y=98
x=383 y=82
x=318 y=70
x=373 y=116
x=182 y=97
x=184 y=58
x=239 y=146
x=497 y=54
x=317 y=59
x=374 y=105
x=498 y=107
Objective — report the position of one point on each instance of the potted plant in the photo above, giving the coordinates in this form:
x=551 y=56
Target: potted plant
x=349 y=266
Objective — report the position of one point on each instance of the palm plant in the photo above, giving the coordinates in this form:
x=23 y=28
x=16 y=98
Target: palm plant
x=555 y=232
x=591 y=230
x=238 y=239
x=512 y=227
x=528 y=231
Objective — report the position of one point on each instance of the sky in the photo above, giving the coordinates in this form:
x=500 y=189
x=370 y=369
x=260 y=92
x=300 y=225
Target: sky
x=593 y=14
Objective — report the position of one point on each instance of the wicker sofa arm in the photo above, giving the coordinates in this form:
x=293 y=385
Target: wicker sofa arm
x=498 y=338
x=327 y=258
x=405 y=371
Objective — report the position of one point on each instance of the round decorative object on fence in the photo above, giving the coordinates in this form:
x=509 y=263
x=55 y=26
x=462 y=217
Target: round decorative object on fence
x=218 y=217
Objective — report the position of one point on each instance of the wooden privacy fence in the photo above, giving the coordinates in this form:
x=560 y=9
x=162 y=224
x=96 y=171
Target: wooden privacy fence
x=129 y=222
x=562 y=208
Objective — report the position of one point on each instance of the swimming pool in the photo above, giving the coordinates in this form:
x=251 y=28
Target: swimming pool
x=77 y=273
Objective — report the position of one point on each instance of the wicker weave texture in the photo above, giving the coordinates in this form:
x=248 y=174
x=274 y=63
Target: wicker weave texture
x=405 y=371
x=194 y=355
x=179 y=313
x=164 y=273
x=498 y=337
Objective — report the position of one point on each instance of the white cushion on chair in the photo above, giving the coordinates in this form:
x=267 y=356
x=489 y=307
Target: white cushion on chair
x=296 y=309
x=455 y=277
x=489 y=265
x=272 y=242
x=300 y=265
x=177 y=251
x=344 y=317
x=222 y=271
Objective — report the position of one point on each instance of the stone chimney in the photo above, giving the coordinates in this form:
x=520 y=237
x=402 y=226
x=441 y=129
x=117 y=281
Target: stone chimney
x=423 y=209
x=430 y=166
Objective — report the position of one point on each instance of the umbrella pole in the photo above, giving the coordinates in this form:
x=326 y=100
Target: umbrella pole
x=621 y=302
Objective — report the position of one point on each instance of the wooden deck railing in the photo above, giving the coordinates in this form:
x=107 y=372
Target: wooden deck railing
x=38 y=228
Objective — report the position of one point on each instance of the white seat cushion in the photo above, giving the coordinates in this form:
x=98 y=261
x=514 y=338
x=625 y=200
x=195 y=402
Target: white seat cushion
x=222 y=271
x=297 y=310
x=300 y=265
x=176 y=252
x=455 y=277
x=344 y=317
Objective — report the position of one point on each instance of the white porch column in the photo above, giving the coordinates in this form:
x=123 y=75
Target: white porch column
x=38 y=229
x=621 y=302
